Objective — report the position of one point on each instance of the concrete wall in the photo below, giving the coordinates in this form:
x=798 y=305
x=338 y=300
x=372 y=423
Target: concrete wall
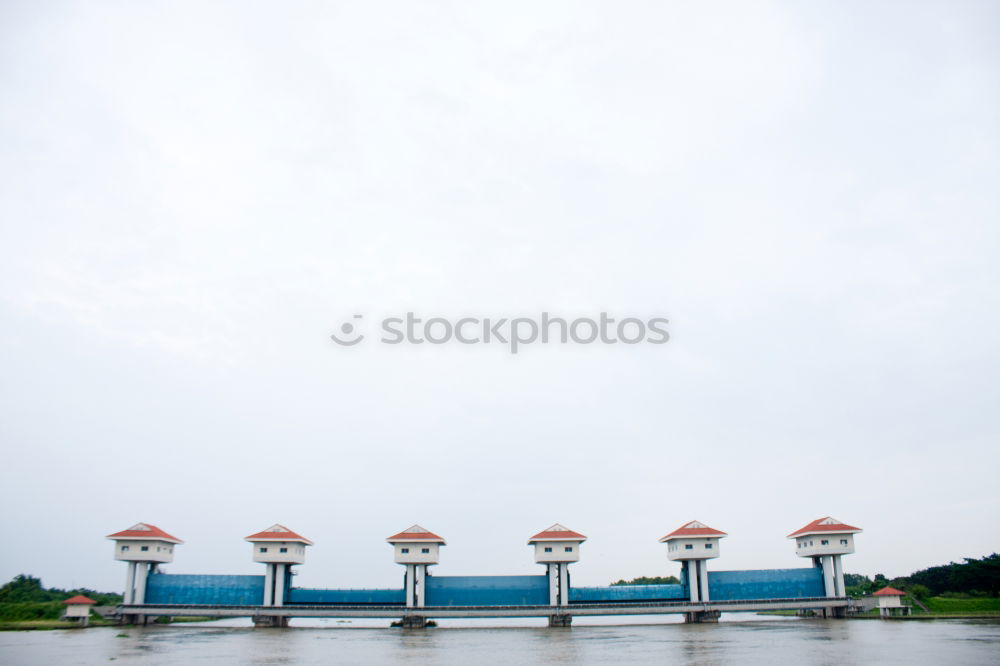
x=415 y=554
x=78 y=610
x=700 y=548
x=132 y=551
x=811 y=546
x=204 y=589
x=558 y=552
x=295 y=553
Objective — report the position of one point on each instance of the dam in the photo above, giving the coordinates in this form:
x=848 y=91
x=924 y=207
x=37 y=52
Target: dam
x=271 y=599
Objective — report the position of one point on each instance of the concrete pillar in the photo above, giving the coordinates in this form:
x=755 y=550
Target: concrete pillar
x=140 y=582
x=563 y=584
x=828 y=575
x=410 y=575
x=420 y=585
x=692 y=579
x=553 y=572
x=280 y=572
x=129 y=595
x=268 y=585
x=838 y=576
x=703 y=578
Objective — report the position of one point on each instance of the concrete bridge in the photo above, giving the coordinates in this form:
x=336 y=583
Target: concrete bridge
x=557 y=615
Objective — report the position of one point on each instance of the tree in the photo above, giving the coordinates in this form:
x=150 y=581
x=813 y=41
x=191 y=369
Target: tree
x=650 y=580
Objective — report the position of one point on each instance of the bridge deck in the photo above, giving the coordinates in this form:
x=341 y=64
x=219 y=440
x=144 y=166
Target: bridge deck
x=635 y=608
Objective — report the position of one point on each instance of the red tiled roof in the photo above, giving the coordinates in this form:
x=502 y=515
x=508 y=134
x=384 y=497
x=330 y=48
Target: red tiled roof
x=278 y=533
x=416 y=533
x=889 y=592
x=693 y=529
x=824 y=525
x=557 y=533
x=145 y=531
x=79 y=599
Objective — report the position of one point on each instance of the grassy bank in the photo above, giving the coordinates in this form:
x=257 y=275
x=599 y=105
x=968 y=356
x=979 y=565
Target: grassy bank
x=973 y=606
x=938 y=607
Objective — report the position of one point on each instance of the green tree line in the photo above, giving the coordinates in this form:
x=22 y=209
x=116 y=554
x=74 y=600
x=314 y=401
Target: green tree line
x=649 y=580
x=23 y=588
x=973 y=578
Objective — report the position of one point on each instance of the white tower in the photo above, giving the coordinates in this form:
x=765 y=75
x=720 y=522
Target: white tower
x=278 y=548
x=693 y=543
x=825 y=540
x=556 y=547
x=144 y=547
x=417 y=548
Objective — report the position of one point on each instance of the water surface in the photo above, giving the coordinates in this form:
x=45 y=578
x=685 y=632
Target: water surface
x=748 y=640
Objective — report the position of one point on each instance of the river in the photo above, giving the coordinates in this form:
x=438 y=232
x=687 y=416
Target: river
x=748 y=639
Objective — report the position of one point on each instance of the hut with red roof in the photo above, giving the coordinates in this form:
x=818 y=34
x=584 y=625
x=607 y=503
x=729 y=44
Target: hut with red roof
x=417 y=548
x=556 y=547
x=825 y=540
x=890 y=602
x=278 y=548
x=78 y=609
x=144 y=547
x=692 y=543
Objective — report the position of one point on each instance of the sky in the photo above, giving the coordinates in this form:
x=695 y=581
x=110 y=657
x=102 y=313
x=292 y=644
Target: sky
x=195 y=195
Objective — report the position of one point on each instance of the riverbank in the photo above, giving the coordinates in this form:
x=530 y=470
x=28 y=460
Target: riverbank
x=944 y=608
x=45 y=625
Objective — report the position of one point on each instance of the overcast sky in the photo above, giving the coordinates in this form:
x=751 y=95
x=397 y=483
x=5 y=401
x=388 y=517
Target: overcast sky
x=194 y=196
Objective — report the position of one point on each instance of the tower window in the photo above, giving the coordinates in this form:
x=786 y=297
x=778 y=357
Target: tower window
x=263 y=549
x=425 y=550
x=548 y=549
x=708 y=546
x=843 y=542
x=688 y=546
x=124 y=548
x=404 y=551
x=824 y=542
x=569 y=549
x=282 y=550
x=144 y=548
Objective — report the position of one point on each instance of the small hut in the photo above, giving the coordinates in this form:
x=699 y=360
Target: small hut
x=78 y=609
x=890 y=602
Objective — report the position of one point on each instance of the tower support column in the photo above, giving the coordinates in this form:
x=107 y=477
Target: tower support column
x=410 y=585
x=420 y=585
x=280 y=571
x=838 y=577
x=269 y=584
x=703 y=579
x=129 y=595
x=828 y=576
x=692 y=579
x=553 y=572
x=142 y=572
x=563 y=584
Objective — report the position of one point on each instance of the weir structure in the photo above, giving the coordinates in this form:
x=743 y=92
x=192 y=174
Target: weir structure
x=144 y=547
x=693 y=544
x=271 y=599
x=556 y=547
x=826 y=541
x=278 y=548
